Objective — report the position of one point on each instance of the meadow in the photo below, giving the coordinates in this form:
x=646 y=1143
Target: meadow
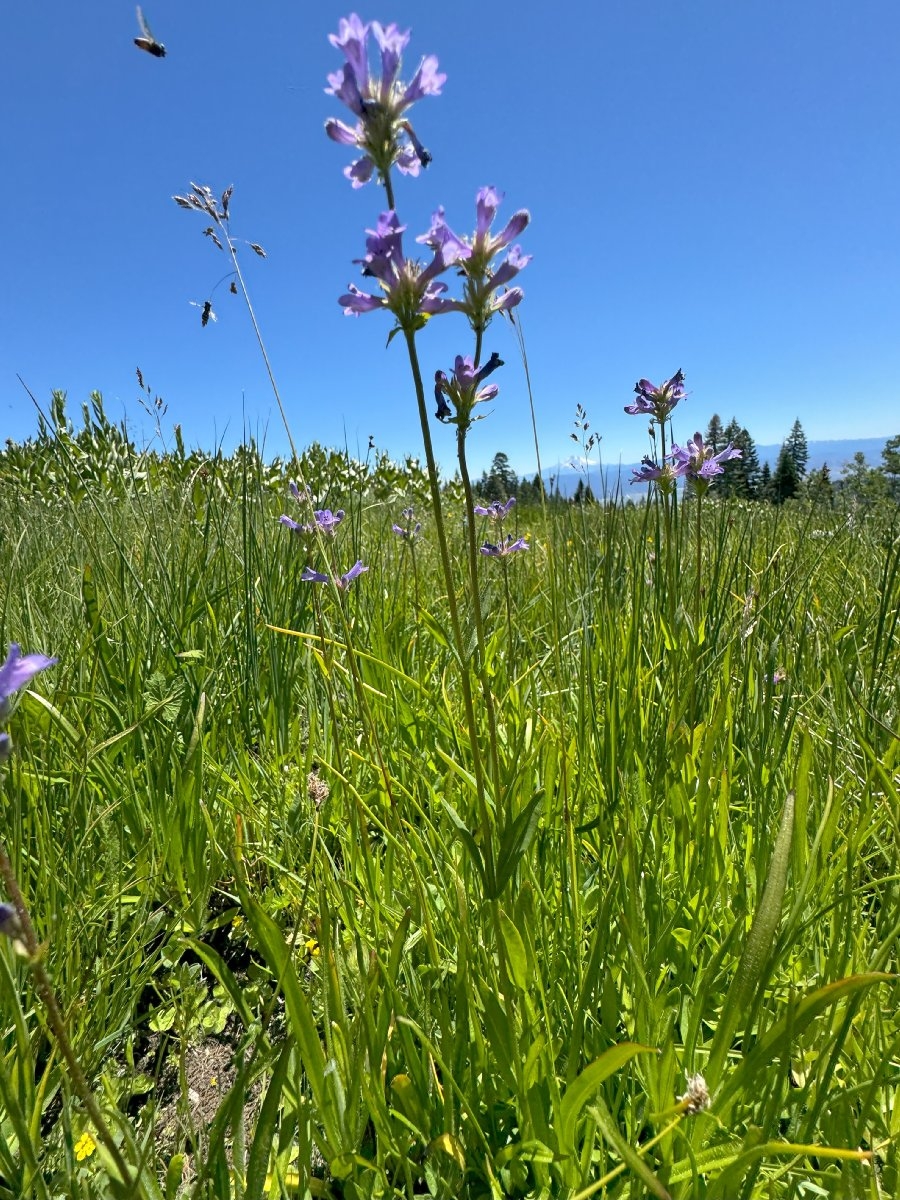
x=296 y=954
x=370 y=836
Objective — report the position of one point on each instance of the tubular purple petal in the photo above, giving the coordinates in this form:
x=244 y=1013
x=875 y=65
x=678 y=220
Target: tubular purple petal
x=487 y=201
x=360 y=172
x=351 y=38
x=345 y=87
x=294 y=526
x=20 y=669
x=341 y=133
x=517 y=223
x=354 y=573
x=355 y=302
x=427 y=81
x=489 y=367
x=391 y=42
x=512 y=265
x=440 y=237
x=508 y=300
x=310 y=576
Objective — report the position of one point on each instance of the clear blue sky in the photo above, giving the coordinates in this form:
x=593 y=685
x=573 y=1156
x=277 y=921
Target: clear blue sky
x=713 y=186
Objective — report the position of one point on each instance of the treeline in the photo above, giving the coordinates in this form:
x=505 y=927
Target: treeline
x=744 y=478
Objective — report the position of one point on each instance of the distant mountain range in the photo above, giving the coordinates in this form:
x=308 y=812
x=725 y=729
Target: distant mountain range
x=835 y=454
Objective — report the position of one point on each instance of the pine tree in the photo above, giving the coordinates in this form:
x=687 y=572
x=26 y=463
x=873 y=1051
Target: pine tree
x=764 y=491
x=786 y=480
x=747 y=477
x=715 y=434
x=499 y=483
x=818 y=486
x=731 y=482
x=891 y=463
x=797 y=448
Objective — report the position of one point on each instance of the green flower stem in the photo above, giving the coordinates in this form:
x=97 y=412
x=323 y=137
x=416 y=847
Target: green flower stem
x=459 y=644
x=480 y=644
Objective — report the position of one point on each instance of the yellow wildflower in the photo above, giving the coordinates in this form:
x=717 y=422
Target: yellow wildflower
x=85 y=1147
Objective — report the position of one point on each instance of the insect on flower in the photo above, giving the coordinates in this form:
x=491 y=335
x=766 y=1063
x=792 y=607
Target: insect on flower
x=147 y=41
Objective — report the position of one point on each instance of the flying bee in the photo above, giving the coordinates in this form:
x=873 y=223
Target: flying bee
x=147 y=41
x=206 y=311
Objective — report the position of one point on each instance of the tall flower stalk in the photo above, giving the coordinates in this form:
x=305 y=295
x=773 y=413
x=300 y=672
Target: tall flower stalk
x=412 y=292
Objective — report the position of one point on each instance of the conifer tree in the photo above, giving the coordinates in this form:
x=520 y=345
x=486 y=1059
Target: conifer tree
x=715 y=434
x=499 y=483
x=732 y=482
x=786 y=480
x=818 y=486
x=891 y=463
x=797 y=448
x=764 y=492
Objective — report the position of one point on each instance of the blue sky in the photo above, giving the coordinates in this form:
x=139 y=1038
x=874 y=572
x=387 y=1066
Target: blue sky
x=713 y=186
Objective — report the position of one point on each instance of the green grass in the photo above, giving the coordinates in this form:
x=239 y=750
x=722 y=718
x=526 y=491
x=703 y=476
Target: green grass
x=421 y=997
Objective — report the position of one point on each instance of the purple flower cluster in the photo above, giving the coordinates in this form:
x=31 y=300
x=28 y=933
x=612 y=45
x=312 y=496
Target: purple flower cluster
x=504 y=547
x=495 y=510
x=323 y=519
x=694 y=462
x=379 y=102
x=18 y=670
x=464 y=389
x=324 y=522
x=411 y=531
x=408 y=289
x=475 y=257
x=657 y=402
x=311 y=576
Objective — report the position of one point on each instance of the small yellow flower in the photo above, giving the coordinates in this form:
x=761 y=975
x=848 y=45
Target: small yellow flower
x=213 y=1081
x=85 y=1147
x=312 y=948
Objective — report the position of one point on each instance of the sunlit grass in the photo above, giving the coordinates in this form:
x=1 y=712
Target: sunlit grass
x=413 y=1003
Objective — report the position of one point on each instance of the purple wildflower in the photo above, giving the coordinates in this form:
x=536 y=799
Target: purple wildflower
x=10 y=925
x=379 y=102
x=311 y=576
x=699 y=462
x=657 y=402
x=409 y=290
x=464 y=388
x=325 y=520
x=699 y=465
x=411 y=532
x=495 y=510
x=508 y=546
x=476 y=253
x=18 y=670
x=664 y=476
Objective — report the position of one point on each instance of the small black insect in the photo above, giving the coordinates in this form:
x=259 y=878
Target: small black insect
x=147 y=41
x=206 y=311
